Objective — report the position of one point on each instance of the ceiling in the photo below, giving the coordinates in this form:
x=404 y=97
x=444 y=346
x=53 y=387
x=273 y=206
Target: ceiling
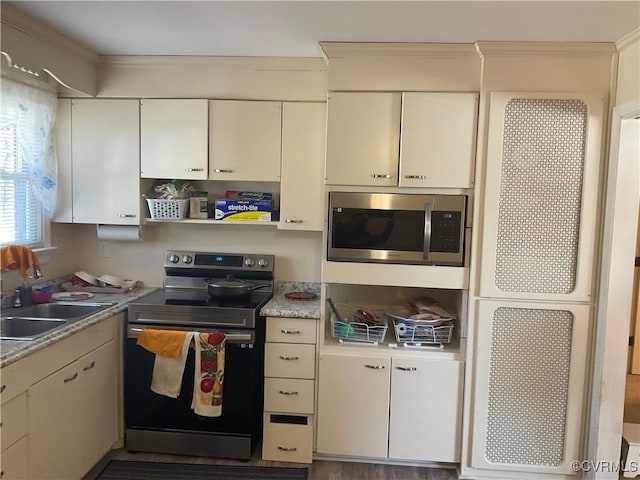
x=294 y=28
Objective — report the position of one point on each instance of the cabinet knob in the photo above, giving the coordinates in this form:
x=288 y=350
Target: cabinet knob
x=416 y=177
x=71 y=378
x=287 y=449
x=290 y=332
x=127 y=215
x=288 y=220
x=194 y=169
x=287 y=392
x=223 y=170
x=284 y=357
x=407 y=369
x=3 y=388
x=380 y=175
x=375 y=367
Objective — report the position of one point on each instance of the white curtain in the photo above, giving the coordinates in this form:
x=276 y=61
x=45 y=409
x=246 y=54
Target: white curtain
x=30 y=113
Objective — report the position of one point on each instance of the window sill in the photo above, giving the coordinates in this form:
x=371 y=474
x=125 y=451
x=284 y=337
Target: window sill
x=43 y=253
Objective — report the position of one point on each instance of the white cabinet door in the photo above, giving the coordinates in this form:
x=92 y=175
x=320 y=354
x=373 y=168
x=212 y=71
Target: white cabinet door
x=64 y=203
x=426 y=410
x=174 y=138
x=106 y=161
x=353 y=405
x=54 y=430
x=363 y=132
x=98 y=411
x=438 y=139
x=529 y=393
x=302 y=202
x=540 y=215
x=245 y=140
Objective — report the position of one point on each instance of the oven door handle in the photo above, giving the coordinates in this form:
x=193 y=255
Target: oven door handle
x=427 y=231
x=236 y=337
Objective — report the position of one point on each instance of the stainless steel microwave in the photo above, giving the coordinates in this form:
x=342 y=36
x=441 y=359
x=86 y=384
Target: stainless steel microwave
x=397 y=228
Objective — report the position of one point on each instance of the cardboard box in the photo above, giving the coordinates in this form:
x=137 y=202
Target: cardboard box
x=243 y=210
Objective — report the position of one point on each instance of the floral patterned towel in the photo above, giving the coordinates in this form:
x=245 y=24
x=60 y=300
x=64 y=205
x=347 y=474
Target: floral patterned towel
x=209 y=374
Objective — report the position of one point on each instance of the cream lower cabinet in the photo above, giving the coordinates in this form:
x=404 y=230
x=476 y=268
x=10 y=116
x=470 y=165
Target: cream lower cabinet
x=396 y=408
x=289 y=392
x=72 y=416
x=13 y=438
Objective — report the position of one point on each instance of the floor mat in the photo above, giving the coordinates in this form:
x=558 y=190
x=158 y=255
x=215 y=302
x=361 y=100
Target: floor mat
x=126 y=470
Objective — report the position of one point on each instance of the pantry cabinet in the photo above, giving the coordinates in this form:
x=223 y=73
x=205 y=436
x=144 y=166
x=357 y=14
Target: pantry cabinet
x=245 y=140
x=105 y=152
x=302 y=202
x=409 y=139
x=174 y=138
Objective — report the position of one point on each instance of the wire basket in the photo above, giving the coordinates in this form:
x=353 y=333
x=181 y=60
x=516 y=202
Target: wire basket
x=422 y=332
x=164 y=209
x=346 y=330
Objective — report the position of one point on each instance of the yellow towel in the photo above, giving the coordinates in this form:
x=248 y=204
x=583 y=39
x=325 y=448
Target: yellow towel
x=209 y=374
x=166 y=343
x=17 y=257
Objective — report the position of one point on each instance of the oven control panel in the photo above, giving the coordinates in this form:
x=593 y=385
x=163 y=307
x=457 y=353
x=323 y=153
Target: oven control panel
x=213 y=261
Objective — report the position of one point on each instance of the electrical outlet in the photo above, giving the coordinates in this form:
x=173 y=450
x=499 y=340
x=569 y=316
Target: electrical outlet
x=103 y=249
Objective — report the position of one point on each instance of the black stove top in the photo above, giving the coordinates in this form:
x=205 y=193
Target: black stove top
x=200 y=298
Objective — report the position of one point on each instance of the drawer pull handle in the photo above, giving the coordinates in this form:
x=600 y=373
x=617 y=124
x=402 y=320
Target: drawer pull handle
x=290 y=332
x=127 y=215
x=71 y=378
x=288 y=220
x=194 y=169
x=407 y=369
x=284 y=357
x=89 y=367
x=286 y=392
x=0 y=424
x=223 y=170
x=416 y=177
x=375 y=367
x=287 y=449
x=3 y=388
x=380 y=175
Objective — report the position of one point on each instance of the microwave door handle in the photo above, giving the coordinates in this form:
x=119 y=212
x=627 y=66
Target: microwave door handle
x=427 y=231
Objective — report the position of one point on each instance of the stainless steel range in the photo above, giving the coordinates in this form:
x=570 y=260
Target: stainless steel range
x=156 y=423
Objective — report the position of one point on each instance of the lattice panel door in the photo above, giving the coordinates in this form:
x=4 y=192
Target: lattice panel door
x=529 y=386
x=540 y=210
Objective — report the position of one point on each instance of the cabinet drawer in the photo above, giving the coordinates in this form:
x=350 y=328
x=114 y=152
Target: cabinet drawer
x=288 y=438
x=289 y=360
x=13 y=420
x=291 y=330
x=291 y=395
x=13 y=463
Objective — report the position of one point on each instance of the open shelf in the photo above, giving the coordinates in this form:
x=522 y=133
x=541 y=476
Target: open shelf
x=209 y=221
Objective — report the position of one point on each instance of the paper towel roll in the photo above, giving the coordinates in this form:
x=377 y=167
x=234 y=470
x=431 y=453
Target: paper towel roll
x=120 y=232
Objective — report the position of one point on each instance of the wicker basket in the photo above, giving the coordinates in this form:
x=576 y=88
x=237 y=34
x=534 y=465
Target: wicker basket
x=162 y=209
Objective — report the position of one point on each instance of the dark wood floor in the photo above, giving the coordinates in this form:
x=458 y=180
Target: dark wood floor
x=318 y=470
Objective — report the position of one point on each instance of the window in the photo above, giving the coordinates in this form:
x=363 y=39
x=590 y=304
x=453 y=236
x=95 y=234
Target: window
x=27 y=164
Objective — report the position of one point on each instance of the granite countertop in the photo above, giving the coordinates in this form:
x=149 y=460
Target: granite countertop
x=13 y=350
x=280 y=306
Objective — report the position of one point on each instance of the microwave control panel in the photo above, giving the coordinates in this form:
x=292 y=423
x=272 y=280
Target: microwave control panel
x=445 y=231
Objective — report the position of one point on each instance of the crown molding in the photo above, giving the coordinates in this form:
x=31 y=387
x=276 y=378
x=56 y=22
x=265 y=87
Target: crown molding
x=357 y=49
x=14 y=18
x=629 y=39
x=553 y=49
x=295 y=64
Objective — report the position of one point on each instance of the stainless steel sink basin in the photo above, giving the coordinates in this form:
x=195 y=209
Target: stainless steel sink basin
x=64 y=311
x=19 y=328
x=29 y=323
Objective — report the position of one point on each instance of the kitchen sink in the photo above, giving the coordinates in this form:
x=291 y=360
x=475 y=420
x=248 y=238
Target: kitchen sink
x=64 y=311
x=29 y=323
x=20 y=328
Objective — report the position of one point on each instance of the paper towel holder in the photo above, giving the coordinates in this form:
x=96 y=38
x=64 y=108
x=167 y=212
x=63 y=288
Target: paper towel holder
x=130 y=233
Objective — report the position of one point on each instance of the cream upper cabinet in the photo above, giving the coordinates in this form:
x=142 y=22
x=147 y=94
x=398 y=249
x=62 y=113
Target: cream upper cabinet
x=105 y=151
x=438 y=139
x=303 y=145
x=64 y=203
x=363 y=132
x=245 y=139
x=410 y=139
x=174 y=135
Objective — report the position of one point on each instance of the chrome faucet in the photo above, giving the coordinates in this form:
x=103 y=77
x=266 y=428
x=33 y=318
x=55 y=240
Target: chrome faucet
x=16 y=299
